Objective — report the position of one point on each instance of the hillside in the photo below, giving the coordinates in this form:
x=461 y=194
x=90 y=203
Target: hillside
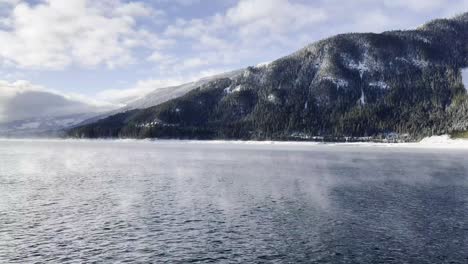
x=351 y=85
x=159 y=96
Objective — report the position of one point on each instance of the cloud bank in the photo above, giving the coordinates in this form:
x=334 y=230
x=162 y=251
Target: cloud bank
x=55 y=33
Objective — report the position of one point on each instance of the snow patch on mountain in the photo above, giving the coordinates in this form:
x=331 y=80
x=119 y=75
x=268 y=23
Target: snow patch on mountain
x=360 y=66
x=362 y=100
x=417 y=62
x=465 y=77
x=423 y=39
x=364 y=65
x=338 y=82
x=236 y=89
x=380 y=84
x=272 y=98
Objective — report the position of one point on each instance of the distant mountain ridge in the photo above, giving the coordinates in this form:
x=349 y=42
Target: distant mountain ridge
x=350 y=85
x=33 y=112
x=42 y=126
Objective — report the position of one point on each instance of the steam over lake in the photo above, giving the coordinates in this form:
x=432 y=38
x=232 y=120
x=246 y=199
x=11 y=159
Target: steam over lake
x=179 y=202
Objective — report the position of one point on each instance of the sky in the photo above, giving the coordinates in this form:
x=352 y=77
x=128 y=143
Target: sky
x=109 y=52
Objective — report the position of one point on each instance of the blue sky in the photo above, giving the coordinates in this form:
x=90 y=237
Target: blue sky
x=112 y=51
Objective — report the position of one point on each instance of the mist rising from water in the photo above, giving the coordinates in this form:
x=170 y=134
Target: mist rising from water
x=178 y=201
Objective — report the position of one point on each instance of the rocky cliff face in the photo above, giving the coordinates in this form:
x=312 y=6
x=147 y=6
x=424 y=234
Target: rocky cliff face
x=358 y=85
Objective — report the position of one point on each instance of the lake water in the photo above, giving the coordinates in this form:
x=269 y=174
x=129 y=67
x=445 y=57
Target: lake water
x=180 y=202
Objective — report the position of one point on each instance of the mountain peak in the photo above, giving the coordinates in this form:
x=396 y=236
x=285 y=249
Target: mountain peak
x=348 y=85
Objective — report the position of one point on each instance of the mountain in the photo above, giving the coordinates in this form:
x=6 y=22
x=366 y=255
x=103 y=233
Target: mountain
x=405 y=84
x=25 y=112
x=160 y=95
x=42 y=126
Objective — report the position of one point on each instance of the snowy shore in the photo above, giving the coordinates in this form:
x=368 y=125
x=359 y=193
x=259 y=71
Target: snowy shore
x=441 y=142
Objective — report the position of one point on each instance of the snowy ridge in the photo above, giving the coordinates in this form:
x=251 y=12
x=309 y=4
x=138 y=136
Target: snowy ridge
x=380 y=84
x=162 y=95
x=338 y=82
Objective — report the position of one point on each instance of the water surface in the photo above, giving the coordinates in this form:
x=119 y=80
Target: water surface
x=176 y=202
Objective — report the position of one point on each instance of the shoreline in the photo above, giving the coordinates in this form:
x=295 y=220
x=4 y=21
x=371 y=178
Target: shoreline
x=438 y=142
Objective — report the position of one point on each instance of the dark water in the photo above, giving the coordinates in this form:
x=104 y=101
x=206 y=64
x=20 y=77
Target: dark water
x=142 y=202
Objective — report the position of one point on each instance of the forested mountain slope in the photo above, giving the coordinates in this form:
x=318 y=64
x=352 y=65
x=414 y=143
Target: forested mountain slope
x=349 y=85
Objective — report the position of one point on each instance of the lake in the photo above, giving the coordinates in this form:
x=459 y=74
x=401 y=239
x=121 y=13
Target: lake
x=182 y=202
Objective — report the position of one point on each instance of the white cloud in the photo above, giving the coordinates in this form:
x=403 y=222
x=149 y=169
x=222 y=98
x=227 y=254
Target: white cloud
x=247 y=29
x=457 y=8
x=134 y=9
x=251 y=18
x=416 y=5
x=374 y=21
x=57 y=33
x=254 y=17
x=161 y=59
x=10 y=89
x=180 y=2
x=9 y=2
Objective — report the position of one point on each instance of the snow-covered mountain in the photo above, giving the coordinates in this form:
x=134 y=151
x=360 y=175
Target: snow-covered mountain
x=350 y=85
x=161 y=95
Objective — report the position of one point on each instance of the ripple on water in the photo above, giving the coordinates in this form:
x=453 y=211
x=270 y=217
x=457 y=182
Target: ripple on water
x=180 y=203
